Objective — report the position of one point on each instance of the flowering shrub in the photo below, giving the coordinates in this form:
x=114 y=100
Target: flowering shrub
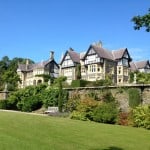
x=141 y=116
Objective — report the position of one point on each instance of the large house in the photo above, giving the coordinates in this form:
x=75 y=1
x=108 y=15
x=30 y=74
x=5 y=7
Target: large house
x=32 y=74
x=141 y=66
x=68 y=65
x=97 y=63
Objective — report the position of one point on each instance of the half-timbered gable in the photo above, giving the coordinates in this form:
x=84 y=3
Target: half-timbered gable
x=98 y=62
x=122 y=59
x=68 y=64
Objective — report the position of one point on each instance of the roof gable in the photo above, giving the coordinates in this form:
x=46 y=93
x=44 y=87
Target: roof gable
x=142 y=64
x=31 y=67
x=74 y=56
x=101 y=52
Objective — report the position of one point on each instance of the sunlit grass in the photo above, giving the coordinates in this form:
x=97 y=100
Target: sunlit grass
x=20 y=131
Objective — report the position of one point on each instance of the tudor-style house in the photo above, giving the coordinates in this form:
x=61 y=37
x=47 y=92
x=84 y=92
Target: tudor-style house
x=68 y=64
x=31 y=74
x=123 y=60
x=141 y=66
x=97 y=63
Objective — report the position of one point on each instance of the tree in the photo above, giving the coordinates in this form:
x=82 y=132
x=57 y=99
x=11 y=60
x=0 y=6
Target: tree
x=8 y=72
x=78 y=72
x=142 y=21
x=59 y=81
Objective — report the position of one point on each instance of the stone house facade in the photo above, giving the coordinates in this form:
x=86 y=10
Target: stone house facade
x=97 y=63
x=31 y=74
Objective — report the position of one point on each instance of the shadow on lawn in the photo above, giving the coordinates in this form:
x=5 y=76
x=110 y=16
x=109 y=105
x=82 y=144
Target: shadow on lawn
x=109 y=148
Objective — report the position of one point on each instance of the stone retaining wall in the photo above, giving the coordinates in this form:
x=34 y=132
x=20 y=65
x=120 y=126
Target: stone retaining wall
x=119 y=92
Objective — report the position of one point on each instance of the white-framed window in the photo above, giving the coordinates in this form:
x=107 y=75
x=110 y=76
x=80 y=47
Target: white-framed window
x=92 y=68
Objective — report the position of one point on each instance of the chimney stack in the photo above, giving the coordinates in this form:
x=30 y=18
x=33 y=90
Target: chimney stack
x=27 y=64
x=51 y=55
x=98 y=44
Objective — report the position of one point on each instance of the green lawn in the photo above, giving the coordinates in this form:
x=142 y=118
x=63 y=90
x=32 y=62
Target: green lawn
x=19 y=131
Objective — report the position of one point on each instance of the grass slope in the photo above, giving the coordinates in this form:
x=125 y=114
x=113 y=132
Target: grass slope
x=20 y=131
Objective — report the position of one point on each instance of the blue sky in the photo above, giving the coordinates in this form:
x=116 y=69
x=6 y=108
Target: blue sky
x=32 y=28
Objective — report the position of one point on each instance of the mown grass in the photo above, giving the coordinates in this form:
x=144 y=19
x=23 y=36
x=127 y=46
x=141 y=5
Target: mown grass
x=20 y=131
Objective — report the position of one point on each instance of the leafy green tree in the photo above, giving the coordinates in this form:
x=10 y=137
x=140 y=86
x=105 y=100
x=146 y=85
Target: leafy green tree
x=142 y=21
x=8 y=72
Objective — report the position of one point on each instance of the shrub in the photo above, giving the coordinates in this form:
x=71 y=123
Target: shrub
x=107 y=96
x=84 y=109
x=50 y=97
x=73 y=102
x=29 y=104
x=78 y=115
x=27 y=99
x=78 y=83
x=134 y=98
x=3 y=104
x=94 y=95
x=106 y=113
x=141 y=116
x=123 y=118
x=87 y=107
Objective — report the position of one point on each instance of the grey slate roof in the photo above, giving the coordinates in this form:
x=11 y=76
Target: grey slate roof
x=104 y=53
x=74 y=56
x=139 y=65
x=117 y=54
x=30 y=67
x=133 y=66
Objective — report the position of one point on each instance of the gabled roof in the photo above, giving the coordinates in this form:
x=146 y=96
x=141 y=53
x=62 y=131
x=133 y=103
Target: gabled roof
x=30 y=67
x=142 y=64
x=139 y=65
x=118 y=54
x=103 y=53
x=111 y=55
x=75 y=57
x=133 y=66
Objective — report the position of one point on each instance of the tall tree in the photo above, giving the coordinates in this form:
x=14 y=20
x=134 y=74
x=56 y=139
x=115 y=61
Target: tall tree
x=8 y=74
x=59 y=82
x=142 y=21
x=78 y=72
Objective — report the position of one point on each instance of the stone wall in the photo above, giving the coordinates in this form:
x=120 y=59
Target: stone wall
x=119 y=92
